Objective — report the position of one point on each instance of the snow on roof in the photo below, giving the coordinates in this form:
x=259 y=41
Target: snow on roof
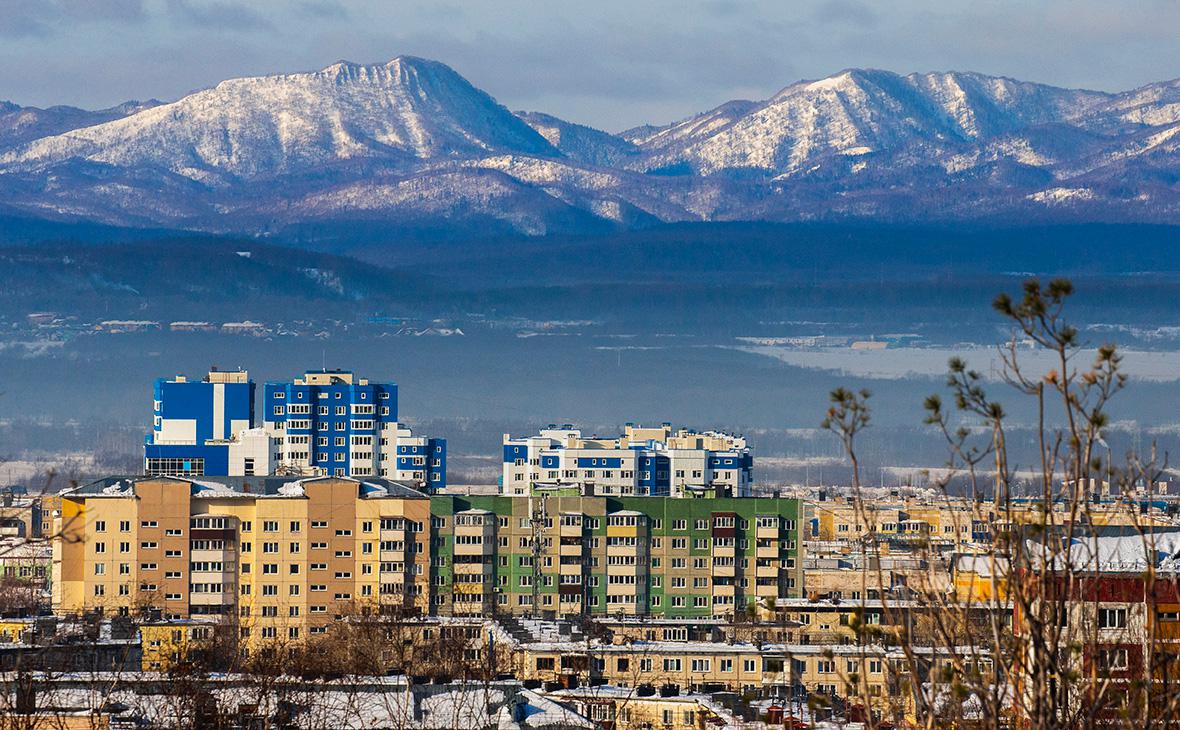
x=351 y=703
x=982 y=564
x=541 y=712
x=292 y=489
x=210 y=489
x=118 y=489
x=1115 y=554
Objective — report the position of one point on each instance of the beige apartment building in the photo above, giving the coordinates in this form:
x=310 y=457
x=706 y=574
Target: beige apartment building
x=280 y=558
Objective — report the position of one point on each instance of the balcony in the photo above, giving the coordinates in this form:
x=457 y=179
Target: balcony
x=724 y=571
x=485 y=548
x=770 y=551
x=572 y=550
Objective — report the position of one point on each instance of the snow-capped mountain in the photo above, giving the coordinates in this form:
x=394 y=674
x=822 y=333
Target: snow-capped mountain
x=412 y=143
x=24 y=124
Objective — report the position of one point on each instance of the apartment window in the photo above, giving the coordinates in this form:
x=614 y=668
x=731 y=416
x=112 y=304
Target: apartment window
x=100 y=526
x=1112 y=659
x=1112 y=618
x=270 y=526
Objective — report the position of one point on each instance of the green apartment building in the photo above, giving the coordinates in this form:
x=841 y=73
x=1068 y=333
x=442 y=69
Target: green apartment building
x=565 y=555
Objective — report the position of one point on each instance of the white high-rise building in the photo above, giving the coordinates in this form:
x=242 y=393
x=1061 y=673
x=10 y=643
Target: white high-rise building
x=642 y=462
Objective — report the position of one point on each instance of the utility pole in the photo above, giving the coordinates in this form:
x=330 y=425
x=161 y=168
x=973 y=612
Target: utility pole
x=537 y=523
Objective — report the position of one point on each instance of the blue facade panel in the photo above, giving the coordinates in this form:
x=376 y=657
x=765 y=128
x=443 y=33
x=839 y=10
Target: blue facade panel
x=196 y=460
x=196 y=401
x=436 y=462
x=599 y=462
x=325 y=419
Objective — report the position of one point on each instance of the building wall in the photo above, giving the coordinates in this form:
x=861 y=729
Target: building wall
x=285 y=566
x=193 y=423
x=698 y=565
x=642 y=462
x=282 y=567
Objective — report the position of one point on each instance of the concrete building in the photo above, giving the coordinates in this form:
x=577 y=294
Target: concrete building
x=284 y=557
x=642 y=462
x=195 y=424
x=333 y=423
x=324 y=423
x=637 y=556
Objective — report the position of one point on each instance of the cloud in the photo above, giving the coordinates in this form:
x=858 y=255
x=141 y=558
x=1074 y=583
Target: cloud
x=24 y=19
x=846 y=12
x=218 y=14
x=96 y=10
x=323 y=9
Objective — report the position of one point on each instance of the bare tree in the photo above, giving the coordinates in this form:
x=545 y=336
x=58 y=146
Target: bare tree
x=1045 y=643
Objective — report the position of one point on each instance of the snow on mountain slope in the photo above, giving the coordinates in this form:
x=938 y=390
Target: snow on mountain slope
x=1151 y=105
x=985 y=106
x=584 y=144
x=411 y=142
x=858 y=112
x=19 y=125
x=700 y=124
x=406 y=110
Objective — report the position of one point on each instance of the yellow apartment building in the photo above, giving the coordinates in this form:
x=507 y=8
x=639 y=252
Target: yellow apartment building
x=280 y=558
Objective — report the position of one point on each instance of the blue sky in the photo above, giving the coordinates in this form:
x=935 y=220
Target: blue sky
x=609 y=63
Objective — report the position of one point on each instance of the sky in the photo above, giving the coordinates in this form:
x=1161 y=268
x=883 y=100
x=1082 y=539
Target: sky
x=612 y=64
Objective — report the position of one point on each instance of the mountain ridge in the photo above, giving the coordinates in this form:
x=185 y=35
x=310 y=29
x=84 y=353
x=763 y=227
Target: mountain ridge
x=411 y=140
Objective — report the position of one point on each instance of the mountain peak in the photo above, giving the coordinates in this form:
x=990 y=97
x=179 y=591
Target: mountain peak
x=410 y=138
x=403 y=110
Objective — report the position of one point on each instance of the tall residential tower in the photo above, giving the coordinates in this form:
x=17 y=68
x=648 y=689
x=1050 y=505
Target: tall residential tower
x=334 y=423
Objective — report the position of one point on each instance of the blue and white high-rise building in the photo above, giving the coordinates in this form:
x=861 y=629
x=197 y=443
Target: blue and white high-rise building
x=196 y=424
x=643 y=462
x=332 y=422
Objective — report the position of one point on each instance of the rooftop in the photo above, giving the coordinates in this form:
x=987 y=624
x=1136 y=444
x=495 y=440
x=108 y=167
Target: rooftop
x=210 y=487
